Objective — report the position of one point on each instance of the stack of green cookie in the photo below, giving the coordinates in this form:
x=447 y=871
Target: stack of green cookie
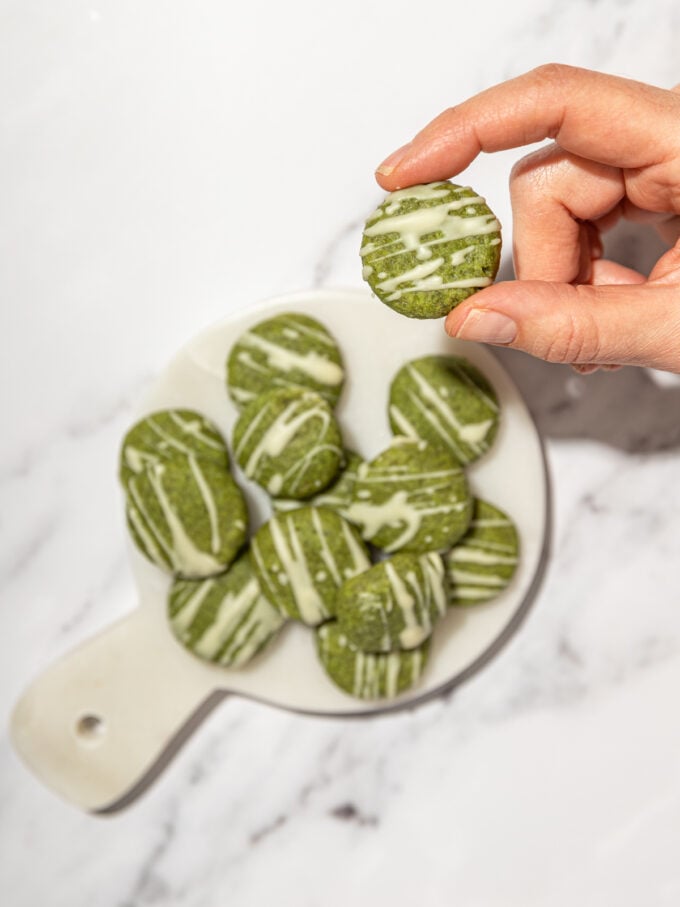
x=184 y=509
x=310 y=554
x=187 y=515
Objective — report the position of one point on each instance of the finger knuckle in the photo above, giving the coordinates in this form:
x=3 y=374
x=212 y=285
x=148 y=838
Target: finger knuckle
x=576 y=337
x=532 y=174
x=553 y=73
x=521 y=169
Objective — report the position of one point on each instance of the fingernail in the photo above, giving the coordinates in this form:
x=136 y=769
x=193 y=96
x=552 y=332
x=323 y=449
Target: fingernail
x=486 y=326
x=588 y=369
x=392 y=162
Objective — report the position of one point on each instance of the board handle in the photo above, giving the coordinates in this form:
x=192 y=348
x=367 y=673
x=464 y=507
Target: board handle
x=100 y=723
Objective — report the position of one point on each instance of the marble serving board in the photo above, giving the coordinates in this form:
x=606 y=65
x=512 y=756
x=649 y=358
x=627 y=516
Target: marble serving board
x=96 y=724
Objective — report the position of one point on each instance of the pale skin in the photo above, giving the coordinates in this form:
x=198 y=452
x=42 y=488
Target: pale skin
x=615 y=153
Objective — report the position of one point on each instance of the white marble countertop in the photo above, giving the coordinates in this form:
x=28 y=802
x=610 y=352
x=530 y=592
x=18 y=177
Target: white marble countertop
x=149 y=151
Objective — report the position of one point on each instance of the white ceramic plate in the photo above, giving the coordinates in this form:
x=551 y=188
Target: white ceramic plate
x=97 y=721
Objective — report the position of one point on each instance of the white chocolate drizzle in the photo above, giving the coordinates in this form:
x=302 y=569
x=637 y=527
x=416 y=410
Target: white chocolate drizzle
x=318 y=334
x=181 y=552
x=325 y=551
x=208 y=502
x=460 y=255
x=194 y=428
x=317 y=367
x=170 y=445
x=309 y=602
x=395 y=512
x=468 y=554
x=417 y=623
x=484 y=561
x=191 y=605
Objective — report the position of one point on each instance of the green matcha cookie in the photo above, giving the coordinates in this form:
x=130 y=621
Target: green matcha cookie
x=445 y=400
x=288 y=441
x=338 y=495
x=187 y=515
x=427 y=248
x=289 y=350
x=413 y=497
x=482 y=564
x=225 y=618
x=395 y=604
x=302 y=558
x=367 y=675
x=167 y=435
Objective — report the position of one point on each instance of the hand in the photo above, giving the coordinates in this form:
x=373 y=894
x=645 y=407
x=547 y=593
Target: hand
x=616 y=153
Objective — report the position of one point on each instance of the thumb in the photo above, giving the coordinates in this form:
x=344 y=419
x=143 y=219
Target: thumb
x=622 y=324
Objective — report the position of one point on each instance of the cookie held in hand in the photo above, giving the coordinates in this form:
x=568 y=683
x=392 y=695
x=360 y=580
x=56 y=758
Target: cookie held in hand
x=429 y=247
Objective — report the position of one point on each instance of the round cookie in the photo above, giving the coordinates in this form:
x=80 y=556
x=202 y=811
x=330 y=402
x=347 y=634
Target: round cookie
x=168 y=434
x=288 y=350
x=224 y=619
x=429 y=247
x=482 y=564
x=338 y=495
x=395 y=604
x=187 y=515
x=413 y=497
x=301 y=558
x=368 y=675
x=445 y=400
x=288 y=441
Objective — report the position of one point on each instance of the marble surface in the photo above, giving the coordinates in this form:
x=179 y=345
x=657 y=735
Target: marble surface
x=149 y=150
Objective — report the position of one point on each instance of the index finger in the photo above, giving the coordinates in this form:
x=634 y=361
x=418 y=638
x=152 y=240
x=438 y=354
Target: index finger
x=585 y=112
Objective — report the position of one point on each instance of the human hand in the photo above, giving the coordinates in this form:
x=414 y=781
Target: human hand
x=616 y=153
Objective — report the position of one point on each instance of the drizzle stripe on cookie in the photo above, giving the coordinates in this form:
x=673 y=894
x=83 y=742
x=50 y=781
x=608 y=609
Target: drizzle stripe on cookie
x=279 y=357
x=222 y=623
x=303 y=557
x=484 y=561
x=368 y=675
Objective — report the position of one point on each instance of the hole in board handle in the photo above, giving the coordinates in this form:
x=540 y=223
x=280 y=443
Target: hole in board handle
x=90 y=728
